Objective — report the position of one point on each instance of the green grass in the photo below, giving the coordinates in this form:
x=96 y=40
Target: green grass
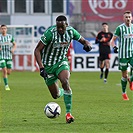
x=97 y=107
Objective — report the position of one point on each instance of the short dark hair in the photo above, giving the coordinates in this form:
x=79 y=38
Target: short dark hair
x=104 y=23
x=128 y=12
x=3 y=25
x=61 y=18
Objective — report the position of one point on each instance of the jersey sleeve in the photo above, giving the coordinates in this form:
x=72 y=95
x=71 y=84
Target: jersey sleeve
x=12 y=39
x=117 y=31
x=46 y=37
x=76 y=34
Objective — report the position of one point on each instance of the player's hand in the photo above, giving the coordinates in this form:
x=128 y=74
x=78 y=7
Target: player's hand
x=87 y=48
x=43 y=73
x=115 y=49
x=103 y=39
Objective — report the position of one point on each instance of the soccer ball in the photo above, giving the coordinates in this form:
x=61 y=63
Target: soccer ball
x=52 y=110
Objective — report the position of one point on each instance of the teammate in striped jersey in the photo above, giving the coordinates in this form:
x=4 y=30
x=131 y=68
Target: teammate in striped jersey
x=7 y=47
x=125 y=50
x=51 y=53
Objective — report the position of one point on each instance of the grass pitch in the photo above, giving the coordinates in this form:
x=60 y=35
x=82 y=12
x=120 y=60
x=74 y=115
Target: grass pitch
x=97 y=107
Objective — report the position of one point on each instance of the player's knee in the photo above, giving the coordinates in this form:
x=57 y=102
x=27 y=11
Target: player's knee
x=65 y=84
x=55 y=96
x=8 y=73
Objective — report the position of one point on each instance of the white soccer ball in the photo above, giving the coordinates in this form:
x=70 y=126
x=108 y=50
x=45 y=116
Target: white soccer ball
x=52 y=110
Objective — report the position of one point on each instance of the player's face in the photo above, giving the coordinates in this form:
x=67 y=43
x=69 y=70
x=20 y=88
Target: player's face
x=61 y=27
x=127 y=18
x=3 y=29
x=105 y=27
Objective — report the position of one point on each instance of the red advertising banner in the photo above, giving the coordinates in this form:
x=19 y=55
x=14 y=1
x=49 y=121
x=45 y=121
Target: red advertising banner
x=24 y=62
x=108 y=10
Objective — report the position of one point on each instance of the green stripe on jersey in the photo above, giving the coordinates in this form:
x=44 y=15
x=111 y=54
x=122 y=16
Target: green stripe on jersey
x=56 y=46
x=125 y=35
x=6 y=45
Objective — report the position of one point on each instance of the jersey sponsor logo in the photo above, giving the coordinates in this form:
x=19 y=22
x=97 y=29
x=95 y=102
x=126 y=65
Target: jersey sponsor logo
x=5 y=43
x=61 y=44
x=128 y=35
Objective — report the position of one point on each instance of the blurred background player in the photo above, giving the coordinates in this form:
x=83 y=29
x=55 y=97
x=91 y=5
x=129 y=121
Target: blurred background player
x=7 y=47
x=125 y=53
x=50 y=54
x=103 y=39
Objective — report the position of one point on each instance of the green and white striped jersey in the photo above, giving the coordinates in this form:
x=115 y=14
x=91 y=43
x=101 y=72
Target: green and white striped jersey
x=56 y=46
x=6 y=45
x=125 y=35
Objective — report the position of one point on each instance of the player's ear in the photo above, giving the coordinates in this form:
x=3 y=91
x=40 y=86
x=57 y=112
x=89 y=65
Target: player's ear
x=66 y=24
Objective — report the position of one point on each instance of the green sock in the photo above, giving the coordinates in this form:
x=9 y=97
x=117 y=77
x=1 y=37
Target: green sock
x=131 y=78
x=68 y=100
x=61 y=92
x=5 y=81
x=123 y=84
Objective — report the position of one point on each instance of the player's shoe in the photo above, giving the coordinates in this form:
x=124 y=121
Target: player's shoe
x=125 y=97
x=7 y=88
x=101 y=75
x=105 y=81
x=69 y=118
x=130 y=84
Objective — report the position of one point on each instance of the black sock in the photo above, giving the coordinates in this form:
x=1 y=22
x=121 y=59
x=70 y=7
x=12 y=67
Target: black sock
x=101 y=70
x=106 y=73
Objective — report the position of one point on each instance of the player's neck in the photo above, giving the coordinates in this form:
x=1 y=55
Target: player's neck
x=106 y=31
x=128 y=24
x=4 y=34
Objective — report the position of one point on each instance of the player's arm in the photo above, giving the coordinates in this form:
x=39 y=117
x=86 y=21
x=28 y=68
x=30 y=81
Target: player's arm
x=45 y=40
x=115 y=36
x=37 y=53
x=97 y=40
x=14 y=47
x=86 y=43
x=87 y=46
x=114 y=45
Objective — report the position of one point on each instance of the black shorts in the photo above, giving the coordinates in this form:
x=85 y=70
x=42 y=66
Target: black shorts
x=104 y=56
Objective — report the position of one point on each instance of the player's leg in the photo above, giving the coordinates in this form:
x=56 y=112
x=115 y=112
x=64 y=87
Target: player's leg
x=8 y=71
x=61 y=72
x=101 y=65
x=5 y=78
x=123 y=64
x=107 y=64
x=4 y=73
x=64 y=78
x=9 y=66
x=130 y=79
x=52 y=82
x=124 y=84
x=55 y=91
x=101 y=68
